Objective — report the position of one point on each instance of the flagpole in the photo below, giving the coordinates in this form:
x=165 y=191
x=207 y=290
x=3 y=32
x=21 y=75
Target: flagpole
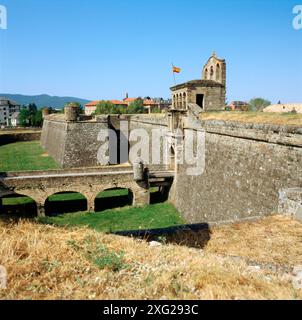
x=173 y=73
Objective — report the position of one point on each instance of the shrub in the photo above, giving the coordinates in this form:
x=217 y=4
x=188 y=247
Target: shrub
x=294 y=111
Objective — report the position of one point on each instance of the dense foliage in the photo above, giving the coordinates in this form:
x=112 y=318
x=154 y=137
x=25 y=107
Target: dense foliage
x=30 y=116
x=107 y=107
x=258 y=104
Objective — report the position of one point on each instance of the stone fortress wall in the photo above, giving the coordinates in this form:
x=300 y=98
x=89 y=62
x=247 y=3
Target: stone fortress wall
x=72 y=144
x=75 y=144
x=246 y=165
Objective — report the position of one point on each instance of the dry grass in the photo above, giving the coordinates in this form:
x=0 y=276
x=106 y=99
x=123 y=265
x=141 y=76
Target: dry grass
x=255 y=117
x=46 y=262
x=272 y=240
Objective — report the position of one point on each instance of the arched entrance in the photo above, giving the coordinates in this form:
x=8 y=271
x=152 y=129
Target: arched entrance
x=113 y=198
x=65 y=202
x=159 y=194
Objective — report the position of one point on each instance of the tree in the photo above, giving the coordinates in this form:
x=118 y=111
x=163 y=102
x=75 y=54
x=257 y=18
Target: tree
x=136 y=106
x=121 y=109
x=24 y=117
x=105 y=107
x=38 y=119
x=32 y=108
x=30 y=116
x=258 y=104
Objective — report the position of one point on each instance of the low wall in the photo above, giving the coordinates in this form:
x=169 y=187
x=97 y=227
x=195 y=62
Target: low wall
x=6 y=138
x=246 y=166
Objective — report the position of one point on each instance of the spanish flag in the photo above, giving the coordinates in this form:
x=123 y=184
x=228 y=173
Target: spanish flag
x=176 y=70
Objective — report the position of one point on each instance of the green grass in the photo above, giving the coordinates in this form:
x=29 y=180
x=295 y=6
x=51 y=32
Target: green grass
x=17 y=201
x=113 y=193
x=14 y=201
x=21 y=156
x=66 y=197
x=127 y=218
x=30 y=156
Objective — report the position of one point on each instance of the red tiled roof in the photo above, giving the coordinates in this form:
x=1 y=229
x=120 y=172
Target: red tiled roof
x=146 y=102
x=95 y=103
x=118 y=102
x=130 y=99
x=92 y=103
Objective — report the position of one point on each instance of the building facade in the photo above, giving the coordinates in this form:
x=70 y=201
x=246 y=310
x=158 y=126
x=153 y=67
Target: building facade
x=239 y=106
x=15 y=119
x=209 y=93
x=151 y=104
x=7 y=109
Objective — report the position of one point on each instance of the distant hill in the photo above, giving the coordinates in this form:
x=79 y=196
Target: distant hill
x=43 y=100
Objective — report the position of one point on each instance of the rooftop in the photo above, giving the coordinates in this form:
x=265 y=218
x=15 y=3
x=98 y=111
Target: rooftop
x=5 y=101
x=197 y=83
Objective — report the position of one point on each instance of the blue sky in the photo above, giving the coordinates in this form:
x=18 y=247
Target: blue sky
x=101 y=49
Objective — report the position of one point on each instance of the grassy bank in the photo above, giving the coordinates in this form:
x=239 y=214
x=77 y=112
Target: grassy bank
x=127 y=218
x=255 y=117
x=47 y=262
x=21 y=156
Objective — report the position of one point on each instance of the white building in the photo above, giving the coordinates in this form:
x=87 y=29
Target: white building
x=15 y=119
x=7 y=108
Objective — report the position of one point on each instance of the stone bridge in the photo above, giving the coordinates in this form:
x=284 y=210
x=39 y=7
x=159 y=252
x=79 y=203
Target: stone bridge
x=39 y=185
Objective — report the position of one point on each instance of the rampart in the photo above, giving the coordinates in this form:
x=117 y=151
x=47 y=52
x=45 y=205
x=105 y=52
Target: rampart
x=246 y=167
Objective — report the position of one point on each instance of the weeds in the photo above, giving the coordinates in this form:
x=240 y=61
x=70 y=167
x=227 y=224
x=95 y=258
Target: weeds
x=100 y=255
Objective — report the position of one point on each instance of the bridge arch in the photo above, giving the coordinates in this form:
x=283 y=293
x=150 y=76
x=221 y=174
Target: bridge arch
x=18 y=205
x=65 y=202
x=114 y=197
x=40 y=187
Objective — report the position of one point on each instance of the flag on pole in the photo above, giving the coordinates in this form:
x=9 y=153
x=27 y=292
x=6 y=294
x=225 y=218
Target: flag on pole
x=176 y=70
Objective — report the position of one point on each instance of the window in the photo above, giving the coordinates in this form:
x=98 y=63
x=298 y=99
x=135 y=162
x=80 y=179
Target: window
x=217 y=72
x=184 y=100
x=199 y=100
x=212 y=73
